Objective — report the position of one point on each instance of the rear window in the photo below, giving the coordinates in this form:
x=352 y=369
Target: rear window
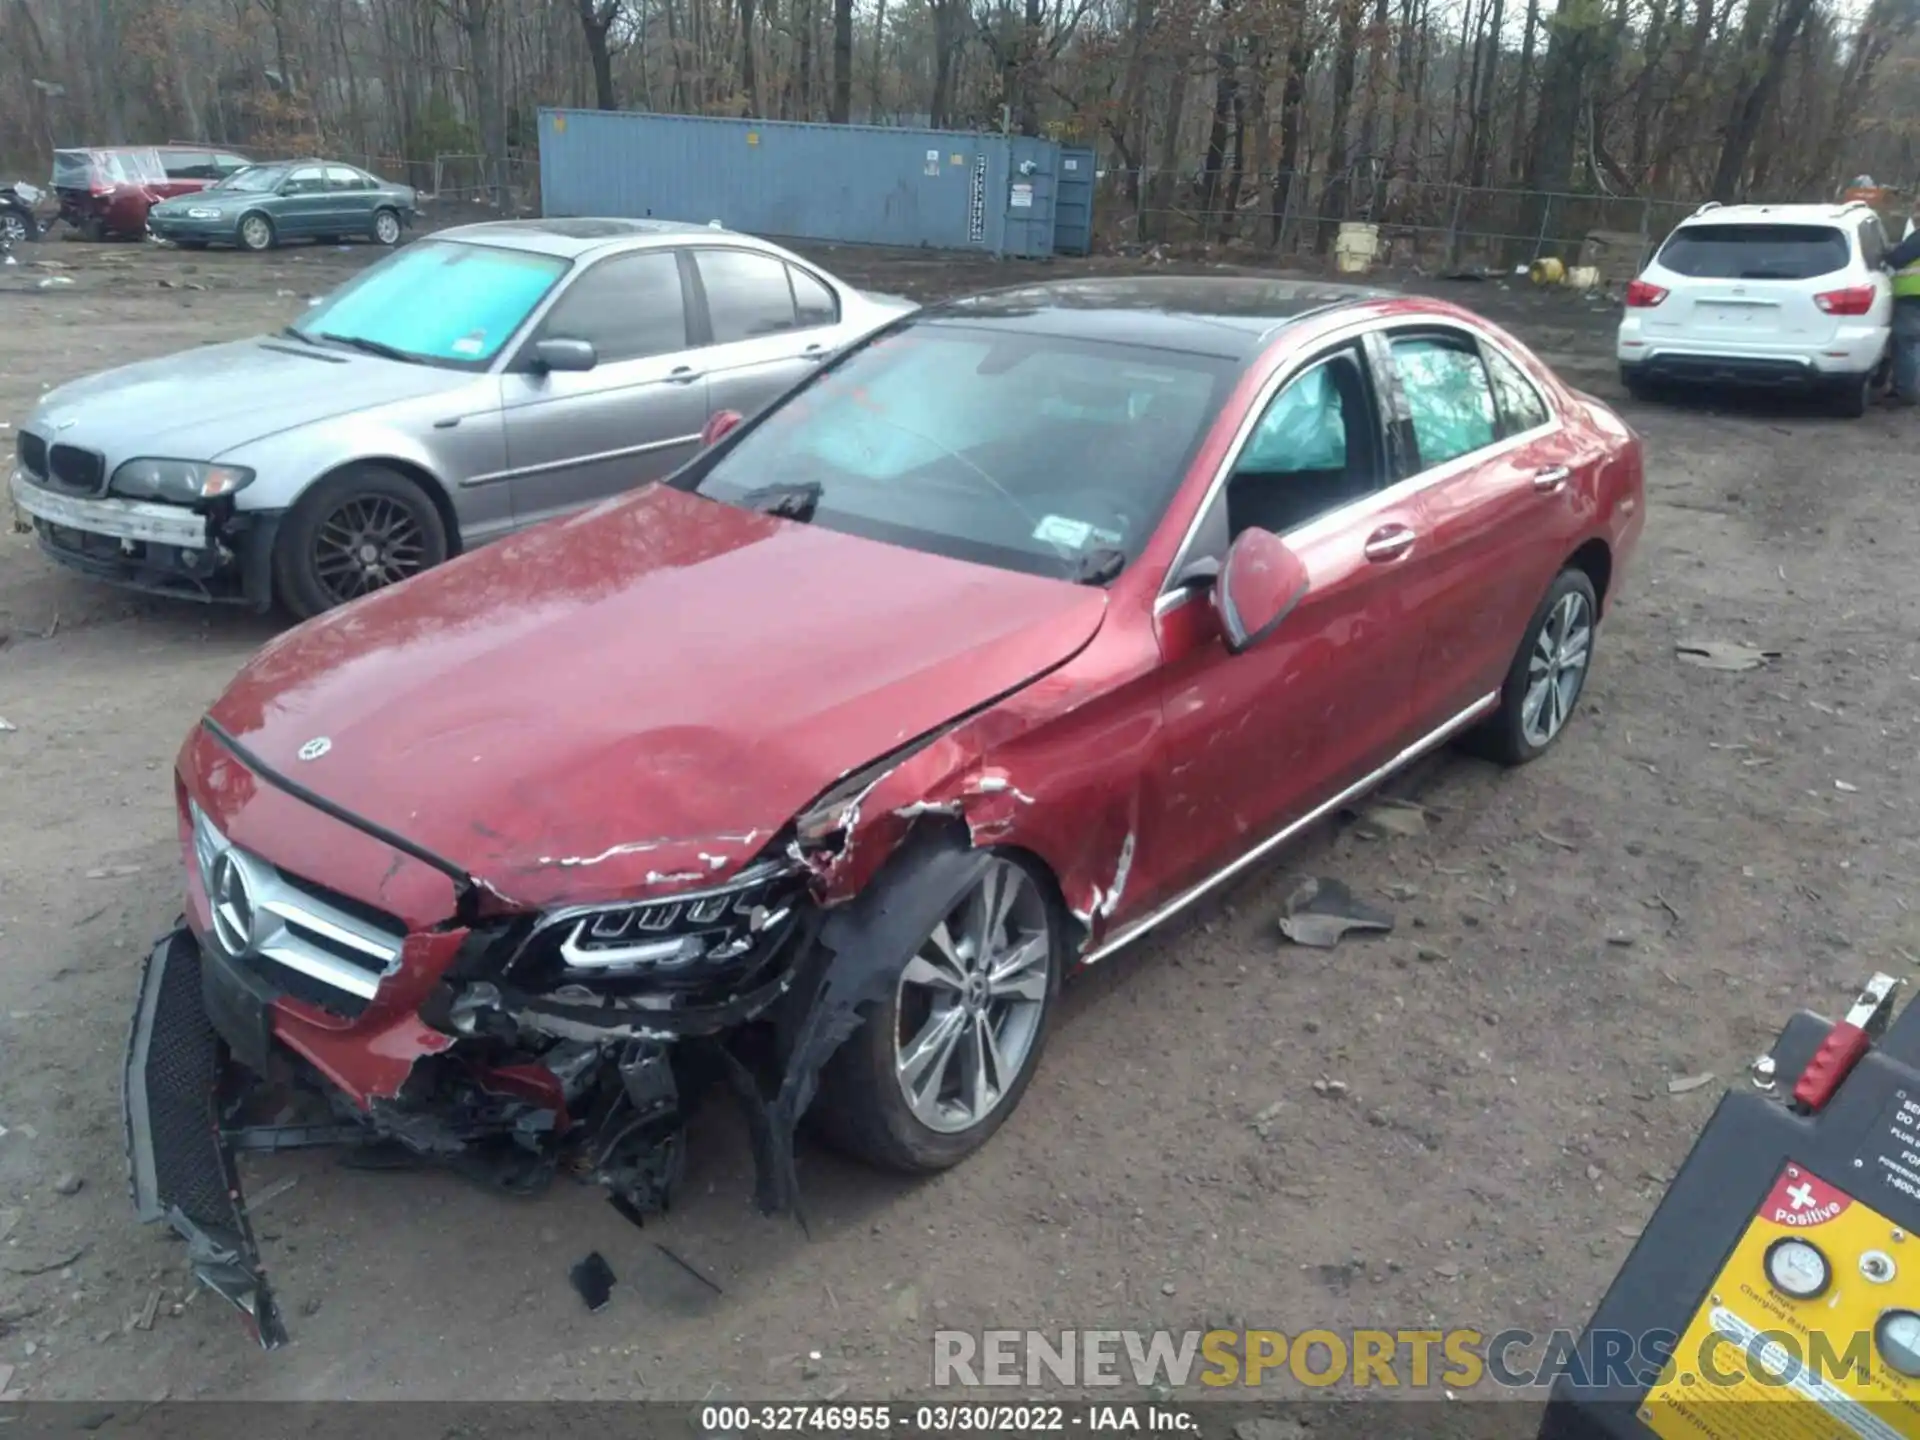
x=1756 y=252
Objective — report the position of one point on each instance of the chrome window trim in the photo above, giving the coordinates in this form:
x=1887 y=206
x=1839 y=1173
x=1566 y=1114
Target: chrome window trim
x=1432 y=740
x=1171 y=597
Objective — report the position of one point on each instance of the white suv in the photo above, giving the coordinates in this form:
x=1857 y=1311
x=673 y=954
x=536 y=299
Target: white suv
x=1783 y=295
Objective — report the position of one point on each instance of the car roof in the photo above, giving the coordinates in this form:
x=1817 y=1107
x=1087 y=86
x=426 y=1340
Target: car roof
x=1827 y=214
x=570 y=237
x=1230 y=316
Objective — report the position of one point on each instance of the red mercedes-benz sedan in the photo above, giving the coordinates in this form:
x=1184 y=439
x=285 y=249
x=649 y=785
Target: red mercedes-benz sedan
x=808 y=773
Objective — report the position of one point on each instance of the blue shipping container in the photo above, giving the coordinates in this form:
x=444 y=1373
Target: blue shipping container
x=1073 y=202
x=862 y=184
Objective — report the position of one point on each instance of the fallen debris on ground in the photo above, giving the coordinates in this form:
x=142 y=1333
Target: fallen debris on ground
x=1320 y=912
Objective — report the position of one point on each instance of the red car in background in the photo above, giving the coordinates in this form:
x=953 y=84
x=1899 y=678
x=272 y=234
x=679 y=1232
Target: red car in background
x=808 y=773
x=108 y=191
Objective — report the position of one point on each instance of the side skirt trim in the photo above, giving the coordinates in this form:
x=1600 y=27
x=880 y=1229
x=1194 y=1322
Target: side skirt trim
x=1130 y=933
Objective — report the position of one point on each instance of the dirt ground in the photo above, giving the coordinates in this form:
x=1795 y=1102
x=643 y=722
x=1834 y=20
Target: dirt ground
x=1703 y=853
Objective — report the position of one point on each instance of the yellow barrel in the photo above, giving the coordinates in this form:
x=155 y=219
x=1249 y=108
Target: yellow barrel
x=1355 y=247
x=1547 y=270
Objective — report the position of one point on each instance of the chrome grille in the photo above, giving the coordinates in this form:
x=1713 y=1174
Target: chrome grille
x=84 y=472
x=262 y=914
x=33 y=454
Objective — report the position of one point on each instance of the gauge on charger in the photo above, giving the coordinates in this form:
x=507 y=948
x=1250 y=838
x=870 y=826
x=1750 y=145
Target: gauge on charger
x=1897 y=1334
x=1798 y=1270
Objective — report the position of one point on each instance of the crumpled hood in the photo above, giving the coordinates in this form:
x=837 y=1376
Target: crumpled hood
x=199 y=404
x=639 y=697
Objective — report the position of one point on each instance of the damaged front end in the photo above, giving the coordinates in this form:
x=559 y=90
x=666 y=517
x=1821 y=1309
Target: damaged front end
x=510 y=1048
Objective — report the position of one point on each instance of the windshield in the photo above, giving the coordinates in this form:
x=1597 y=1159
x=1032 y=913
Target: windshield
x=1032 y=452
x=1755 y=252
x=73 y=169
x=255 y=179
x=437 y=302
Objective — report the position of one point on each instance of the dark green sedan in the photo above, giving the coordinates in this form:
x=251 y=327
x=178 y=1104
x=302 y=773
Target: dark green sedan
x=266 y=205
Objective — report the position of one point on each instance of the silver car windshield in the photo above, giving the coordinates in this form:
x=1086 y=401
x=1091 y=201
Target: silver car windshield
x=1033 y=452
x=437 y=302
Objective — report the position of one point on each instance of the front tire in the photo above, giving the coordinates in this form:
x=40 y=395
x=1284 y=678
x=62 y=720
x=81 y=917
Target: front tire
x=17 y=227
x=355 y=532
x=386 y=228
x=1548 y=674
x=936 y=1069
x=256 y=233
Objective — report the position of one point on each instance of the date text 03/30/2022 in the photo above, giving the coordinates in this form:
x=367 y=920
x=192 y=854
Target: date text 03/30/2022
x=942 y=1419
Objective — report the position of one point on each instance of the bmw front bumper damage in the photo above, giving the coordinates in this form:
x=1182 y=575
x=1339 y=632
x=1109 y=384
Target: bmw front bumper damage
x=223 y=556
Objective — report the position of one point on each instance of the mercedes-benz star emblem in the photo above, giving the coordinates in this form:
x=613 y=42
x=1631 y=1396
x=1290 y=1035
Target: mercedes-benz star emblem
x=232 y=904
x=315 y=748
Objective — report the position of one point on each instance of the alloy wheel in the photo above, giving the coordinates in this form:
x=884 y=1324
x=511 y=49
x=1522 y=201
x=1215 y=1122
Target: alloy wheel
x=1557 y=668
x=367 y=543
x=386 y=228
x=971 y=1001
x=13 y=230
x=255 y=233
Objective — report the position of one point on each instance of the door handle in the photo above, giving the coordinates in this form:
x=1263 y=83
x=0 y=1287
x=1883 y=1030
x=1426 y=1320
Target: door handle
x=815 y=349
x=1389 y=542
x=1551 y=479
x=682 y=375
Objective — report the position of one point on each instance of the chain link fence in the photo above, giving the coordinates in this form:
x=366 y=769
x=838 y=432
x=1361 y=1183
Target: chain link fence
x=1429 y=226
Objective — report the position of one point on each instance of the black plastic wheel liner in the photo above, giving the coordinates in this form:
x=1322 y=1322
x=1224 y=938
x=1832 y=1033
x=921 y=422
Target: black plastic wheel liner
x=182 y=1169
x=863 y=946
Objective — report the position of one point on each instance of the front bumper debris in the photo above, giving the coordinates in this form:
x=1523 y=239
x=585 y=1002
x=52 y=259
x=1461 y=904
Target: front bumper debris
x=159 y=549
x=181 y=1162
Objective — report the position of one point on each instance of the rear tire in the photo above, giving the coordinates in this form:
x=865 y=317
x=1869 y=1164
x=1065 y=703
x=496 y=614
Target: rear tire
x=255 y=233
x=386 y=227
x=1852 y=396
x=1548 y=674
x=1637 y=386
x=357 y=531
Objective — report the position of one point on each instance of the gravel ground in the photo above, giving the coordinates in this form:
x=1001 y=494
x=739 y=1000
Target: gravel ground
x=1702 y=854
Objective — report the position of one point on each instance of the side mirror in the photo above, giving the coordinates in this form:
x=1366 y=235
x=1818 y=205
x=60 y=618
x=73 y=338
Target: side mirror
x=1258 y=587
x=563 y=355
x=719 y=425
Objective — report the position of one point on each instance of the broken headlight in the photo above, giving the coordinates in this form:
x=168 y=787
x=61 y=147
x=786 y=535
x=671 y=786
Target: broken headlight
x=681 y=937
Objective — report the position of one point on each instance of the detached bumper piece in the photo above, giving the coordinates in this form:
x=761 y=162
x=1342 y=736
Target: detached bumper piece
x=182 y=1167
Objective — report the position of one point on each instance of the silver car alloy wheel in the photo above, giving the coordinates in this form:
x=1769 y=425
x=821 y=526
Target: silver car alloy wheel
x=255 y=233
x=1556 y=668
x=971 y=1000
x=368 y=543
x=13 y=230
x=386 y=228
